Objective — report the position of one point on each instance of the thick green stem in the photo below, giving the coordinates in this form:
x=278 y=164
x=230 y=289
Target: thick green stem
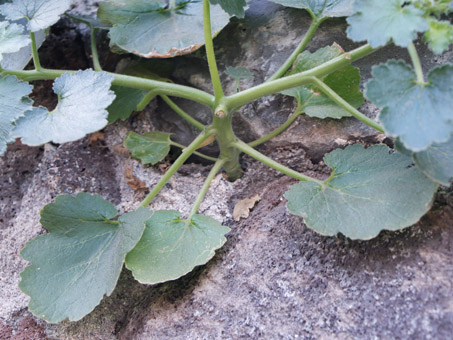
x=235 y=101
x=34 y=49
x=146 y=99
x=417 y=64
x=308 y=36
x=161 y=87
x=94 y=51
x=215 y=78
x=278 y=130
x=182 y=114
x=345 y=105
x=273 y=164
x=199 y=154
x=207 y=183
x=186 y=153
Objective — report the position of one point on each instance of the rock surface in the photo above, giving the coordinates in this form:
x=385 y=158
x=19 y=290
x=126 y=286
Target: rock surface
x=274 y=278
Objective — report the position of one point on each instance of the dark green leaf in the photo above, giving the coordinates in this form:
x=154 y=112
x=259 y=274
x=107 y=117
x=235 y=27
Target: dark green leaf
x=232 y=7
x=126 y=101
x=150 y=148
x=239 y=72
x=83 y=99
x=171 y=247
x=13 y=103
x=81 y=257
x=345 y=82
x=418 y=114
x=40 y=13
x=321 y=8
x=370 y=190
x=144 y=28
x=439 y=36
x=378 y=22
x=12 y=38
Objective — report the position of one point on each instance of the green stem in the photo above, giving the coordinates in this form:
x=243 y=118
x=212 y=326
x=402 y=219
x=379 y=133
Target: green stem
x=215 y=78
x=145 y=101
x=345 y=105
x=34 y=49
x=417 y=64
x=186 y=153
x=209 y=158
x=273 y=164
x=207 y=183
x=277 y=131
x=240 y=99
x=182 y=114
x=303 y=44
x=161 y=87
x=94 y=50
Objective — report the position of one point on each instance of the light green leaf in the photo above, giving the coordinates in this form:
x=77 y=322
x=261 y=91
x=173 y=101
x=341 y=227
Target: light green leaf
x=238 y=72
x=13 y=103
x=439 y=36
x=370 y=190
x=12 y=38
x=232 y=7
x=83 y=99
x=81 y=257
x=126 y=101
x=150 y=148
x=378 y=22
x=321 y=8
x=146 y=29
x=39 y=13
x=171 y=247
x=419 y=115
x=345 y=82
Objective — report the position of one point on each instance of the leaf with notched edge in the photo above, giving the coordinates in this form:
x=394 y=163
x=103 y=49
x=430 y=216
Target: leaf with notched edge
x=12 y=38
x=80 y=259
x=321 y=8
x=171 y=247
x=150 y=148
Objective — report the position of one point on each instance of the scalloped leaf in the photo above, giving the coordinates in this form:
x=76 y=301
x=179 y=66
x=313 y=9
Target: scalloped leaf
x=171 y=247
x=12 y=38
x=321 y=8
x=232 y=7
x=80 y=259
x=150 y=148
x=39 y=13
x=439 y=35
x=369 y=190
x=126 y=101
x=14 y=102
x=145 y=28
x=83 y=99
x=378 y=22
x=419 y=115
x=345 y=82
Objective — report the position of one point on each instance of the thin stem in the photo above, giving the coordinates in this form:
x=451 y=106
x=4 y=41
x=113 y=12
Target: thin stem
x=345 y=105
x=182 y=114
x=94 y=50
x=186 y=153
x=279 y=130
x=273 y=164
x=207 y=183
x=237 y=100
x=161 y=87
x=417 y=64
x=215 y=78
x=303 y=44
x=146 y=99
x=34 y=49
x=209 y=158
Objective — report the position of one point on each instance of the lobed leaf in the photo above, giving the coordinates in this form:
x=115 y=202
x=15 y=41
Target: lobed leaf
x=40 y=14
x=439 y=35
x=419 y=114
x=171 y=247
x=321 y=8
x=345 y=82
x=14 y=102
x=83 y=99
x=81 y=257
x=378 y=22
x=12 y=38
x=232 y=7
x=150 y=148
x=370 y=190
x=126 y=101
x=145 y=28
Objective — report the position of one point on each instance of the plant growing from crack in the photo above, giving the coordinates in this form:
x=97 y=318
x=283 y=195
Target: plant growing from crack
x=369 y=190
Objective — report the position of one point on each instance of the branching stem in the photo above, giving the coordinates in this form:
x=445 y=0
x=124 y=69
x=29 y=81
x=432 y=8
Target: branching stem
x=182 y=113
x=199 y=154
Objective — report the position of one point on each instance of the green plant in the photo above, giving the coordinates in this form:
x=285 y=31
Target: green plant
x=369 y=190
